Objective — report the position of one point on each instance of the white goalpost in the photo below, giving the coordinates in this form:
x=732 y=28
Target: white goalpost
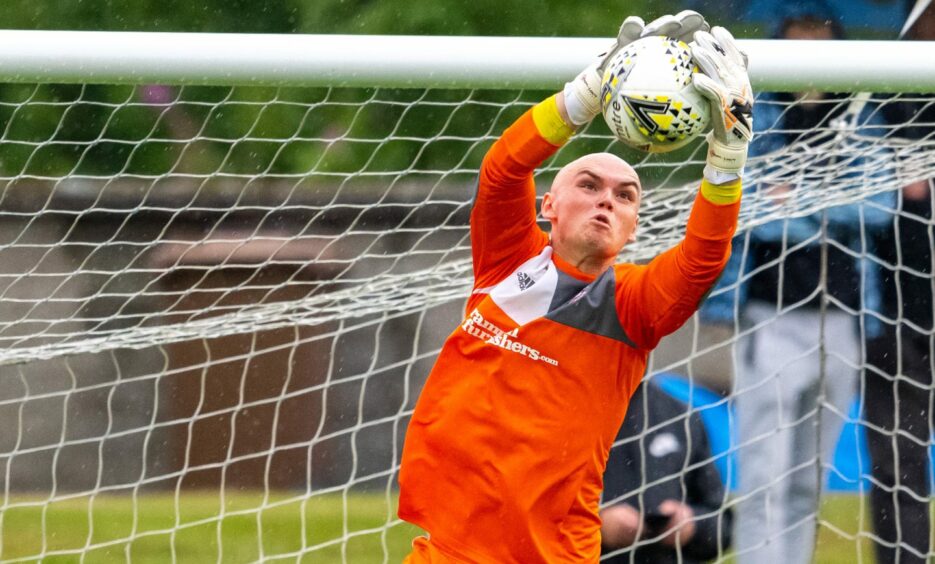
x=227 y=263
x=421 y=61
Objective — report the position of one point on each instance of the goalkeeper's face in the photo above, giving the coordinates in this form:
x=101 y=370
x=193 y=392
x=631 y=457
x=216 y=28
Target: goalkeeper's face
x=593 y=207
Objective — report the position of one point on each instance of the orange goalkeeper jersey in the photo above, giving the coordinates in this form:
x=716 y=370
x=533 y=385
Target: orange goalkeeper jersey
x=504 y=455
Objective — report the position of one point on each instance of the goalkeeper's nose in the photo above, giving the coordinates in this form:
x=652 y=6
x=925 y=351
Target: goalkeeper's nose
x=605 y=199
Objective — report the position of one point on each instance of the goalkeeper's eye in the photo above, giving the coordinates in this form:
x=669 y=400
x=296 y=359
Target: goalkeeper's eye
x=627 y=195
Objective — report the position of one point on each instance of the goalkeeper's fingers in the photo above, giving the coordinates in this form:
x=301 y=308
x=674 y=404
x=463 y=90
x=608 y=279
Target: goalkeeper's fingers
x=708 y=55
x=681 y=26
x=630 y=30
x=727 y=42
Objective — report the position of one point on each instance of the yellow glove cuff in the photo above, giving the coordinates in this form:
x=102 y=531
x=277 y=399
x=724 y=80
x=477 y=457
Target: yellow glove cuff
x=549 y=122
x=721 y=194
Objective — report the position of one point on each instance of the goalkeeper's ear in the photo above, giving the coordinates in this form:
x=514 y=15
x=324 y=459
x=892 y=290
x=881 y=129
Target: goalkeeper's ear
x=548 y=209
x=636 y=227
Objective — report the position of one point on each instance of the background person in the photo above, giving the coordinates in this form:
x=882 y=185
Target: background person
x=664 y=490
x=898 y=378
x=799 y=348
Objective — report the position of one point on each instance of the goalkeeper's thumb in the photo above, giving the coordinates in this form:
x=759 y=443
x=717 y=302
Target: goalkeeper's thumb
x=731 y=112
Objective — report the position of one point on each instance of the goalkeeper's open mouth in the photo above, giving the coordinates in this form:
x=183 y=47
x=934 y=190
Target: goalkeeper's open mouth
x=601 y=219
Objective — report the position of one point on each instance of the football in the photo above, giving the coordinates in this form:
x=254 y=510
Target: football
x=647 y=95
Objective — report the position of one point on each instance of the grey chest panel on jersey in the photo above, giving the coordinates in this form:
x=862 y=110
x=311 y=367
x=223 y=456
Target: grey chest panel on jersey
x=591 y=308
x=538 y=289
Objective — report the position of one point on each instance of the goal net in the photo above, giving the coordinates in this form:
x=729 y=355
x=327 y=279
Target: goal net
x=218 y=303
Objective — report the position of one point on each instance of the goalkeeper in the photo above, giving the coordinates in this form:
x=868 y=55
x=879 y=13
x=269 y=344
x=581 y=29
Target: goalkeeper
x=507 y=445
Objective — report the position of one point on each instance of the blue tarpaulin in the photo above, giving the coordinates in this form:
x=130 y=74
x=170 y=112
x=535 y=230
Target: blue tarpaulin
x=850 y=467
x=883 y=18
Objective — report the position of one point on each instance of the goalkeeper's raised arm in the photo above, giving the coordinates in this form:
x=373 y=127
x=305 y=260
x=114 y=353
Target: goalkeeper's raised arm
x=506 y=447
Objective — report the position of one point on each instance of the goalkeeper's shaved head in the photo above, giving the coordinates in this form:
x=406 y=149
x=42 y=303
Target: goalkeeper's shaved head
x=563 y=178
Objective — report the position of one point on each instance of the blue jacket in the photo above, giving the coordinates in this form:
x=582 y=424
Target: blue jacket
x=777 y=260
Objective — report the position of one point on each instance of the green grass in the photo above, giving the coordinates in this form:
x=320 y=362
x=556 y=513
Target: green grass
x=155 y=526
x=844 y=536
x=357 y=528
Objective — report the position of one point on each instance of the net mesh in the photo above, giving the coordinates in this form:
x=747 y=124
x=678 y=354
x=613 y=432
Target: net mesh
x=219 y=304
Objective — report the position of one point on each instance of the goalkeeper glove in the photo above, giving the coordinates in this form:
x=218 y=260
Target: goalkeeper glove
x=582 y=95
x=723 y=81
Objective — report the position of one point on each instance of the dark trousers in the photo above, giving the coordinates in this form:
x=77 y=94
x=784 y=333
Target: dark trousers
x=898 y=411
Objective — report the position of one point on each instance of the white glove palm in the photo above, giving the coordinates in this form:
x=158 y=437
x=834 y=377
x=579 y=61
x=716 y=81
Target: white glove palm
x=582 y=95
x=724 y=82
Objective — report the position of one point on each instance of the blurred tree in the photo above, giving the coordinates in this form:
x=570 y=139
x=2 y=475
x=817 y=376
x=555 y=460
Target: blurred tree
x=480 y=17
x=239 y=16
x=53 y=130
x=435 y=17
